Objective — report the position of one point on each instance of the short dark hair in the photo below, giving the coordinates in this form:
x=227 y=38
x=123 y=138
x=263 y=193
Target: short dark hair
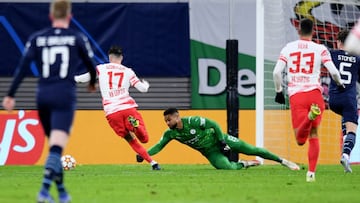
x=341 y=36
x=115 y=50
x=171 y=110
x=306 y=26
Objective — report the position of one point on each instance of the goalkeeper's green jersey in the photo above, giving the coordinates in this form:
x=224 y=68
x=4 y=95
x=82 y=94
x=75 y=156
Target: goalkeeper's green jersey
x=199 y=133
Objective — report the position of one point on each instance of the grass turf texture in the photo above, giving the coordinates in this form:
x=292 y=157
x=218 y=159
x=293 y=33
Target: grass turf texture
x=185 y=183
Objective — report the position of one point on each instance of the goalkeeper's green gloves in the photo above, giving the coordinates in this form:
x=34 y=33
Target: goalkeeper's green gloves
x=224 y=148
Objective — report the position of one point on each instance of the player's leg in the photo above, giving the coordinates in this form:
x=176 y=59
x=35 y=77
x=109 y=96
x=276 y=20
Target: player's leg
x=53 y=167
x=299 y=113
x=306 y=108
x=346 y=107
x=135 y=128
x=220 y=161
x=314 y=146
x=61 y=122
x=59 y=139
x=137 y=125
x=120 y=124
x=44 y=196
x=350 y=119
x=140 y=150
x=240 y=146
x=348 y=145
x=313 y=154
x=304 y=129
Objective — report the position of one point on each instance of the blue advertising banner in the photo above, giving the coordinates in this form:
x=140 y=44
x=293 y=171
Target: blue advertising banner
x=154 y=36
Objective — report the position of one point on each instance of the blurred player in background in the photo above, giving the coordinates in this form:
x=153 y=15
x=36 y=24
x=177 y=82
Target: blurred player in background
x=344 y=101
x=56 y=51
x=120 y=108
x=302 y=59
x=352 y=42
x=206 y=136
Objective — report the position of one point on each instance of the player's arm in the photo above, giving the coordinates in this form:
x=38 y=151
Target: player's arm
x=277 y=75
x=214 y=129
x=83 y=78
x=165 y=139
x=140 y=85
x=333 y=72
x=326 y=60
x=19 y=75
x=87 y=55
x=210 y=124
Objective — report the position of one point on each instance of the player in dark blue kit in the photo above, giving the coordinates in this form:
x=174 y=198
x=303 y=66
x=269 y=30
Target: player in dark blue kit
x=56 y=52
x=343 y=100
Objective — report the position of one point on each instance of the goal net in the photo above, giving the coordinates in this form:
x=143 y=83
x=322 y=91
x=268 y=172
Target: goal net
x=281 y=18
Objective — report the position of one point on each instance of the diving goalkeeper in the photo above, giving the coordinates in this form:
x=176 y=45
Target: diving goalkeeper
x=206 y=136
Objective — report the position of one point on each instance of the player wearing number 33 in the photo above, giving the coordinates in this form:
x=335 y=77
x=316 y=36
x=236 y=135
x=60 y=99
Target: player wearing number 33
x=56 y=52
x=302 y=59
x=344 y=101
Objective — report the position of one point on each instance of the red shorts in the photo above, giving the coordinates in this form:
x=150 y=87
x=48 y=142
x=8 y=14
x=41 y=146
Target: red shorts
x=119 y=122
x=300 y=104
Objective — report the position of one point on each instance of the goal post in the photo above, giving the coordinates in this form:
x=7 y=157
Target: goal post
x=276 y=26
x=232 y=99
x=259 y=100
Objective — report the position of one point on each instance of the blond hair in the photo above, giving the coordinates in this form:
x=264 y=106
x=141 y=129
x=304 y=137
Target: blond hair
x=60 y=9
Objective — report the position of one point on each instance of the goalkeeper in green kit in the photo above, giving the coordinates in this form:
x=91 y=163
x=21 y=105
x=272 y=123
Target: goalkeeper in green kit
x=206 y=136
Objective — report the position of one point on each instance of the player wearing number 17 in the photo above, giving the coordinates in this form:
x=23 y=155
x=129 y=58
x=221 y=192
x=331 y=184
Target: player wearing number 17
x=120 y=108
x=302 y=59
x=56 y=51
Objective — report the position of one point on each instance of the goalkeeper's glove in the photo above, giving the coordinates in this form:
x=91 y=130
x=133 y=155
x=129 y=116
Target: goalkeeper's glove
x=224 y=148
x=139 y=158
x=279 y=98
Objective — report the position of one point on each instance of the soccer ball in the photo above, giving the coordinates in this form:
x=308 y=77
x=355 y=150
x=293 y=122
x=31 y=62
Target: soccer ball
x=68 y=162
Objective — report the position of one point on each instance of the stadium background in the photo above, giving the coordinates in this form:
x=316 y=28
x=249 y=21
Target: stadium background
x=164 y=43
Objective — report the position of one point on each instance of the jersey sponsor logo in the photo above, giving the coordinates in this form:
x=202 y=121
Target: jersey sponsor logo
x=300 y=79
x=22 y=138
x=191 y=141
x=117 y=92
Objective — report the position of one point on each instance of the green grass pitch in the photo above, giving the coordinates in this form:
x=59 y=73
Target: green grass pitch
x=186 y=184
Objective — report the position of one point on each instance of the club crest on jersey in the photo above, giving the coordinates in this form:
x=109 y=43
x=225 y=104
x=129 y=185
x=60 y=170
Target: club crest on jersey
x=192 y=131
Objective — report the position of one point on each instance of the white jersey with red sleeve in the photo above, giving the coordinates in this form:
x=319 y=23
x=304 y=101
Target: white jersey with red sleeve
x=115 y=81
x=302 y=60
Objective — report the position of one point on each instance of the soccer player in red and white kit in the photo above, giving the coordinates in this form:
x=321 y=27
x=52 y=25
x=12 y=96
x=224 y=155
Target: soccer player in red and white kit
x=302 y=59
x=120 y=108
